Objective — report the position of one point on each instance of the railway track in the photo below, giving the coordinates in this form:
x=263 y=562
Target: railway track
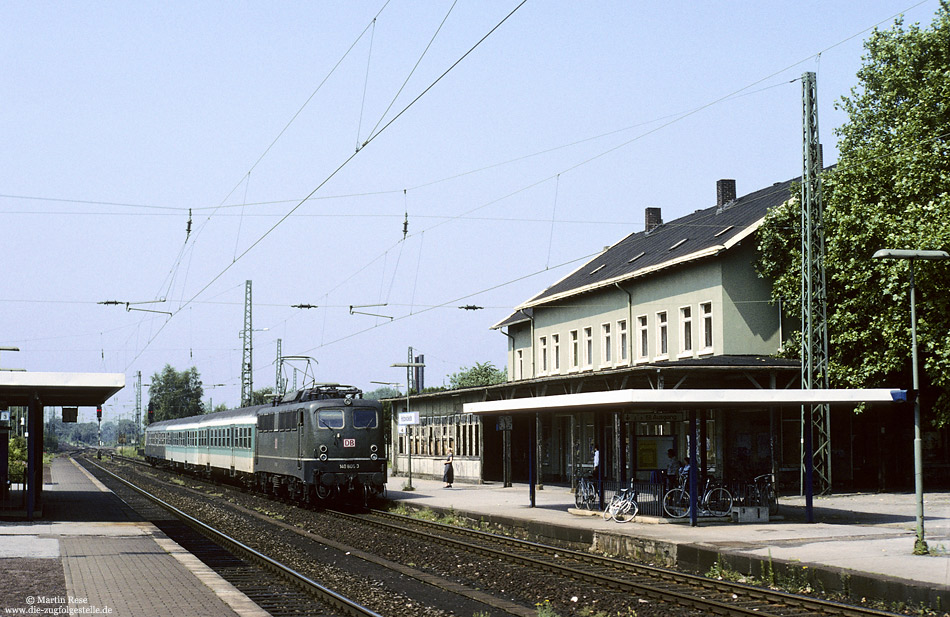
x=275 y=587
x=695 y=594
x=702 y=593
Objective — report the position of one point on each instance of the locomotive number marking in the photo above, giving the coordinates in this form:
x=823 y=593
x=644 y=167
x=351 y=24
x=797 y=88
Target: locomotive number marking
x=349 y=443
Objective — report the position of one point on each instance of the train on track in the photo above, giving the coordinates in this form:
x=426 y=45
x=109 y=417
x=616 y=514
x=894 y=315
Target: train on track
x=323 y=442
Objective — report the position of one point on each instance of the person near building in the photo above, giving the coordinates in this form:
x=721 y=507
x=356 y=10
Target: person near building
x=448 y=475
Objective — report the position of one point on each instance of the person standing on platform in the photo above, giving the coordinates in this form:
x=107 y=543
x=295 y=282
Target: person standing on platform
x=673 y=466
x=449 y=474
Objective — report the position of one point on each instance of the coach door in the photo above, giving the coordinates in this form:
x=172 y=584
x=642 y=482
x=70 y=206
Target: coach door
x=232 y=437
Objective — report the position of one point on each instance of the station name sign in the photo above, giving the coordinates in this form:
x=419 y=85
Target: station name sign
x=408 y=418
x=654 y=416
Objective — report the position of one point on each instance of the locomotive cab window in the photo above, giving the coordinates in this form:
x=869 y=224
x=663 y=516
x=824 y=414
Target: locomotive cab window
x=364 y=418
x=330 y=418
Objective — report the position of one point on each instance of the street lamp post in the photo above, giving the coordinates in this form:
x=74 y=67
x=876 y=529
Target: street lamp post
x=409 y=366
x=920 y=545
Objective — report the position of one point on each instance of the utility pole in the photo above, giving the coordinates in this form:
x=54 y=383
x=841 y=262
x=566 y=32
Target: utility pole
x=247 y=372
x=816 y=419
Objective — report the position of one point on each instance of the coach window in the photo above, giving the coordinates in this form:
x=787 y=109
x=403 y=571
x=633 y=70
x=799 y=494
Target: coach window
x=330 y=418
x=364 y=418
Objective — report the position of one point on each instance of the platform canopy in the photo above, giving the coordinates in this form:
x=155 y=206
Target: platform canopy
x=58 y=389
x=684 y=399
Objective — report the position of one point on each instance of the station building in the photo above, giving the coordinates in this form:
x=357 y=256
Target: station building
x=678 y=305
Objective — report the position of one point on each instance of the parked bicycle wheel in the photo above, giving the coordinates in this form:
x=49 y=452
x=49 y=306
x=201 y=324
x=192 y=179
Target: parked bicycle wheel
x=612 y=507
x=719 y=502
x=579 y=499
x=626 y=511
x=676 y=503
x=585 y=495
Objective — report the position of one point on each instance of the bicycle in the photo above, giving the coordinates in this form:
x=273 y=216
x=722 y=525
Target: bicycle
x=763 y=493
x=714 y=500
x=585 y=494
x=623 y=506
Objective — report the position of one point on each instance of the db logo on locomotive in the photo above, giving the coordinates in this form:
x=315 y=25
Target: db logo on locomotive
x=349 y=443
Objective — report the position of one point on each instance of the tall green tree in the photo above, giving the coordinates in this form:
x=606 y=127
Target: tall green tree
x=482 y=374
x=890 y=189
x=176 y=394
x=264 y=395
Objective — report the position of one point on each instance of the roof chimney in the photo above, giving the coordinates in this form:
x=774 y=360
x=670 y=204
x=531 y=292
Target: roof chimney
x=725 y=192
x=654 y=218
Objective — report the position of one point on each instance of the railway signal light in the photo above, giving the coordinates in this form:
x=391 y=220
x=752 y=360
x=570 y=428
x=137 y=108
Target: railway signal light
x=99 y=413
x=151 y=412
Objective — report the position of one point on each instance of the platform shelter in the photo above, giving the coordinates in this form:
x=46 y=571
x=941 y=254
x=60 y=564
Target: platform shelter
x=37 y=390
x=691 y=400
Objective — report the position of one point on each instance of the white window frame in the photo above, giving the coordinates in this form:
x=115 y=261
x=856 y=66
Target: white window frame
x=588 y=347
x=686 y=332
x=623 y=355
x=519 y=361
x=606 y=345
x=643 y=338
x=662 y=336
x=575 y=351
x=706 y=328
x=543 y=352
x=555 y=353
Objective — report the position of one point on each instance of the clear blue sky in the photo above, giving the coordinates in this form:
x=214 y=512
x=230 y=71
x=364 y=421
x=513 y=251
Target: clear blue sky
x=539 y=148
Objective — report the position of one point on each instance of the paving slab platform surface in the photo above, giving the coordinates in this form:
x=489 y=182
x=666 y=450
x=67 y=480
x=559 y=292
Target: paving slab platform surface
x=864 y=541
x=92 y=555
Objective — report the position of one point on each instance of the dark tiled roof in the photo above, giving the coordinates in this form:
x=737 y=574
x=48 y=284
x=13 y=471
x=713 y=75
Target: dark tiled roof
x=704 y=233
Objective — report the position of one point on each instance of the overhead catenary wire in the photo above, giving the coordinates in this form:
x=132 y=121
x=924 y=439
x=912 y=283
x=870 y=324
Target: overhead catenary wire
x=552 y=217
x=738 y=93
x=330 y=176
x=451 y=302
x=413 y=70
x=369 y=59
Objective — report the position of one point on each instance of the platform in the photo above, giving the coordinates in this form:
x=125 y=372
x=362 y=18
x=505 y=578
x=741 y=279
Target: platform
x=91 y=554
x=861 y=544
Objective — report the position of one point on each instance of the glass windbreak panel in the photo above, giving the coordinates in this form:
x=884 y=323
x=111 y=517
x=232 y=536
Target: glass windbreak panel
x=330 y=418
x=364 y=418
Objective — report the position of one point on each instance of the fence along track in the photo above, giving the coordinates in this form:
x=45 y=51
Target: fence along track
x=717 y=597
x=311 y=587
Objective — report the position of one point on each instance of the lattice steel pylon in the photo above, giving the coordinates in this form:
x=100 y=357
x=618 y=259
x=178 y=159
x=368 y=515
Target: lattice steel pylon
x=138 y=406
x=247 y=374
x=279 y=383
x=814 y=353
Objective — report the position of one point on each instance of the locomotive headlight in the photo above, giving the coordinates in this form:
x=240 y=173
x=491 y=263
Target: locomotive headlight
x=372 y=457
x=323 y=447
x=373 y=448
x=323 y=457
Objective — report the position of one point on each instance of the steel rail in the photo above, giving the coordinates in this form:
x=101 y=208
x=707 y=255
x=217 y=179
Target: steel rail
x=759 y=600
x=324 y=594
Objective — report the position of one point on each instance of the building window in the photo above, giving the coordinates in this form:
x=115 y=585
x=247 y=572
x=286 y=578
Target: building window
x=544 y=354
x=588 y=348
x=706 y=313
x=662 y=335
x=520 y=361
x=643 y=339
x=556 y=352
x=605 y=343
x=686 y=331
x=622 y=329
x=575 y=351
